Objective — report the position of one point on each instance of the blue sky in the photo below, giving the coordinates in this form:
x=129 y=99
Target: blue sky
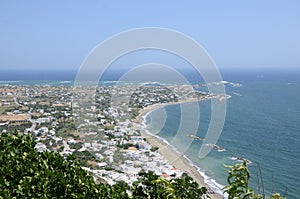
x=237 y=34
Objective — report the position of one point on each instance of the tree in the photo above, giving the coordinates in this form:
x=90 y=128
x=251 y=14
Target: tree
x=186 y=187
x=151 y=185
x=238 y=184
x=168 y=190
x=25 y=173
x=238 y=181
x=145 y=186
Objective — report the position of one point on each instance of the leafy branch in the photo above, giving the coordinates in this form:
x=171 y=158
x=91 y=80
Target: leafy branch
x=238 y=184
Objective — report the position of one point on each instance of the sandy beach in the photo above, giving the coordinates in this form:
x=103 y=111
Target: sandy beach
x=175 y=158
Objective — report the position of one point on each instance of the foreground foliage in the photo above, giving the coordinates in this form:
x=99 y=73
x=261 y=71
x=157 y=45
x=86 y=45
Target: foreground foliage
x=152 y=186
x=238 y=184
x=25 y=173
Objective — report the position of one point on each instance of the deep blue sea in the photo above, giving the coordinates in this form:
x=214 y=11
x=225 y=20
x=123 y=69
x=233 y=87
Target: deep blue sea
x=262 y=125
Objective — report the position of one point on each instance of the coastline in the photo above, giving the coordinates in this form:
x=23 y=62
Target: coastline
x=178 y=160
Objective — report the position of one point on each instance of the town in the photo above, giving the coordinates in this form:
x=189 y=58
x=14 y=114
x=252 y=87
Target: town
x=105 y=135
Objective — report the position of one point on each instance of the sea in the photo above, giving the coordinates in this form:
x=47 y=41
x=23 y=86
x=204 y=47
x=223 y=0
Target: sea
x=262 y=125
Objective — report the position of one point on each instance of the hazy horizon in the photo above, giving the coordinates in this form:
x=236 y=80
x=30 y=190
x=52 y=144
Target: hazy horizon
x=237 y=74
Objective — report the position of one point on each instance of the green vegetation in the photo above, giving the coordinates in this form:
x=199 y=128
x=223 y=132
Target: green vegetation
x=238 y=181
x=25 y=173
x=76 y=146
x=134 y=112
x=65 y=129
x=152 y=186
x=108 y=127
x=83 y=155
x=118 y=157
x=154 y=148
x=3 y=109
x=21 y=127
x=125 y=146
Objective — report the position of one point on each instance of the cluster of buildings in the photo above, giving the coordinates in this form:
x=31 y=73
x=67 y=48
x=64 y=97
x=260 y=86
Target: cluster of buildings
x=101 y=134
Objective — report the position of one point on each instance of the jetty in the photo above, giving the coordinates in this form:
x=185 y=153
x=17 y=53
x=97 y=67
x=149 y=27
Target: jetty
x=242 y=159
x=195 y=137
x=220 y=149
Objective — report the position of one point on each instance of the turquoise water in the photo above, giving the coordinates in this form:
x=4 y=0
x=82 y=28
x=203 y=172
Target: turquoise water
x=262 y=125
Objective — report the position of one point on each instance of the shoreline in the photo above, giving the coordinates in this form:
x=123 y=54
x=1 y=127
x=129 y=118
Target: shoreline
x=176 y=159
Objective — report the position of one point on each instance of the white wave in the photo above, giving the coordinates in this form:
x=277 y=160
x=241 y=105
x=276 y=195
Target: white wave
x=146 y=83
x=144 y=121
x=235 y=84
x=233 y=158
x=7 y=82
x=225 y=83
x=212 y=183
x=238 y=94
